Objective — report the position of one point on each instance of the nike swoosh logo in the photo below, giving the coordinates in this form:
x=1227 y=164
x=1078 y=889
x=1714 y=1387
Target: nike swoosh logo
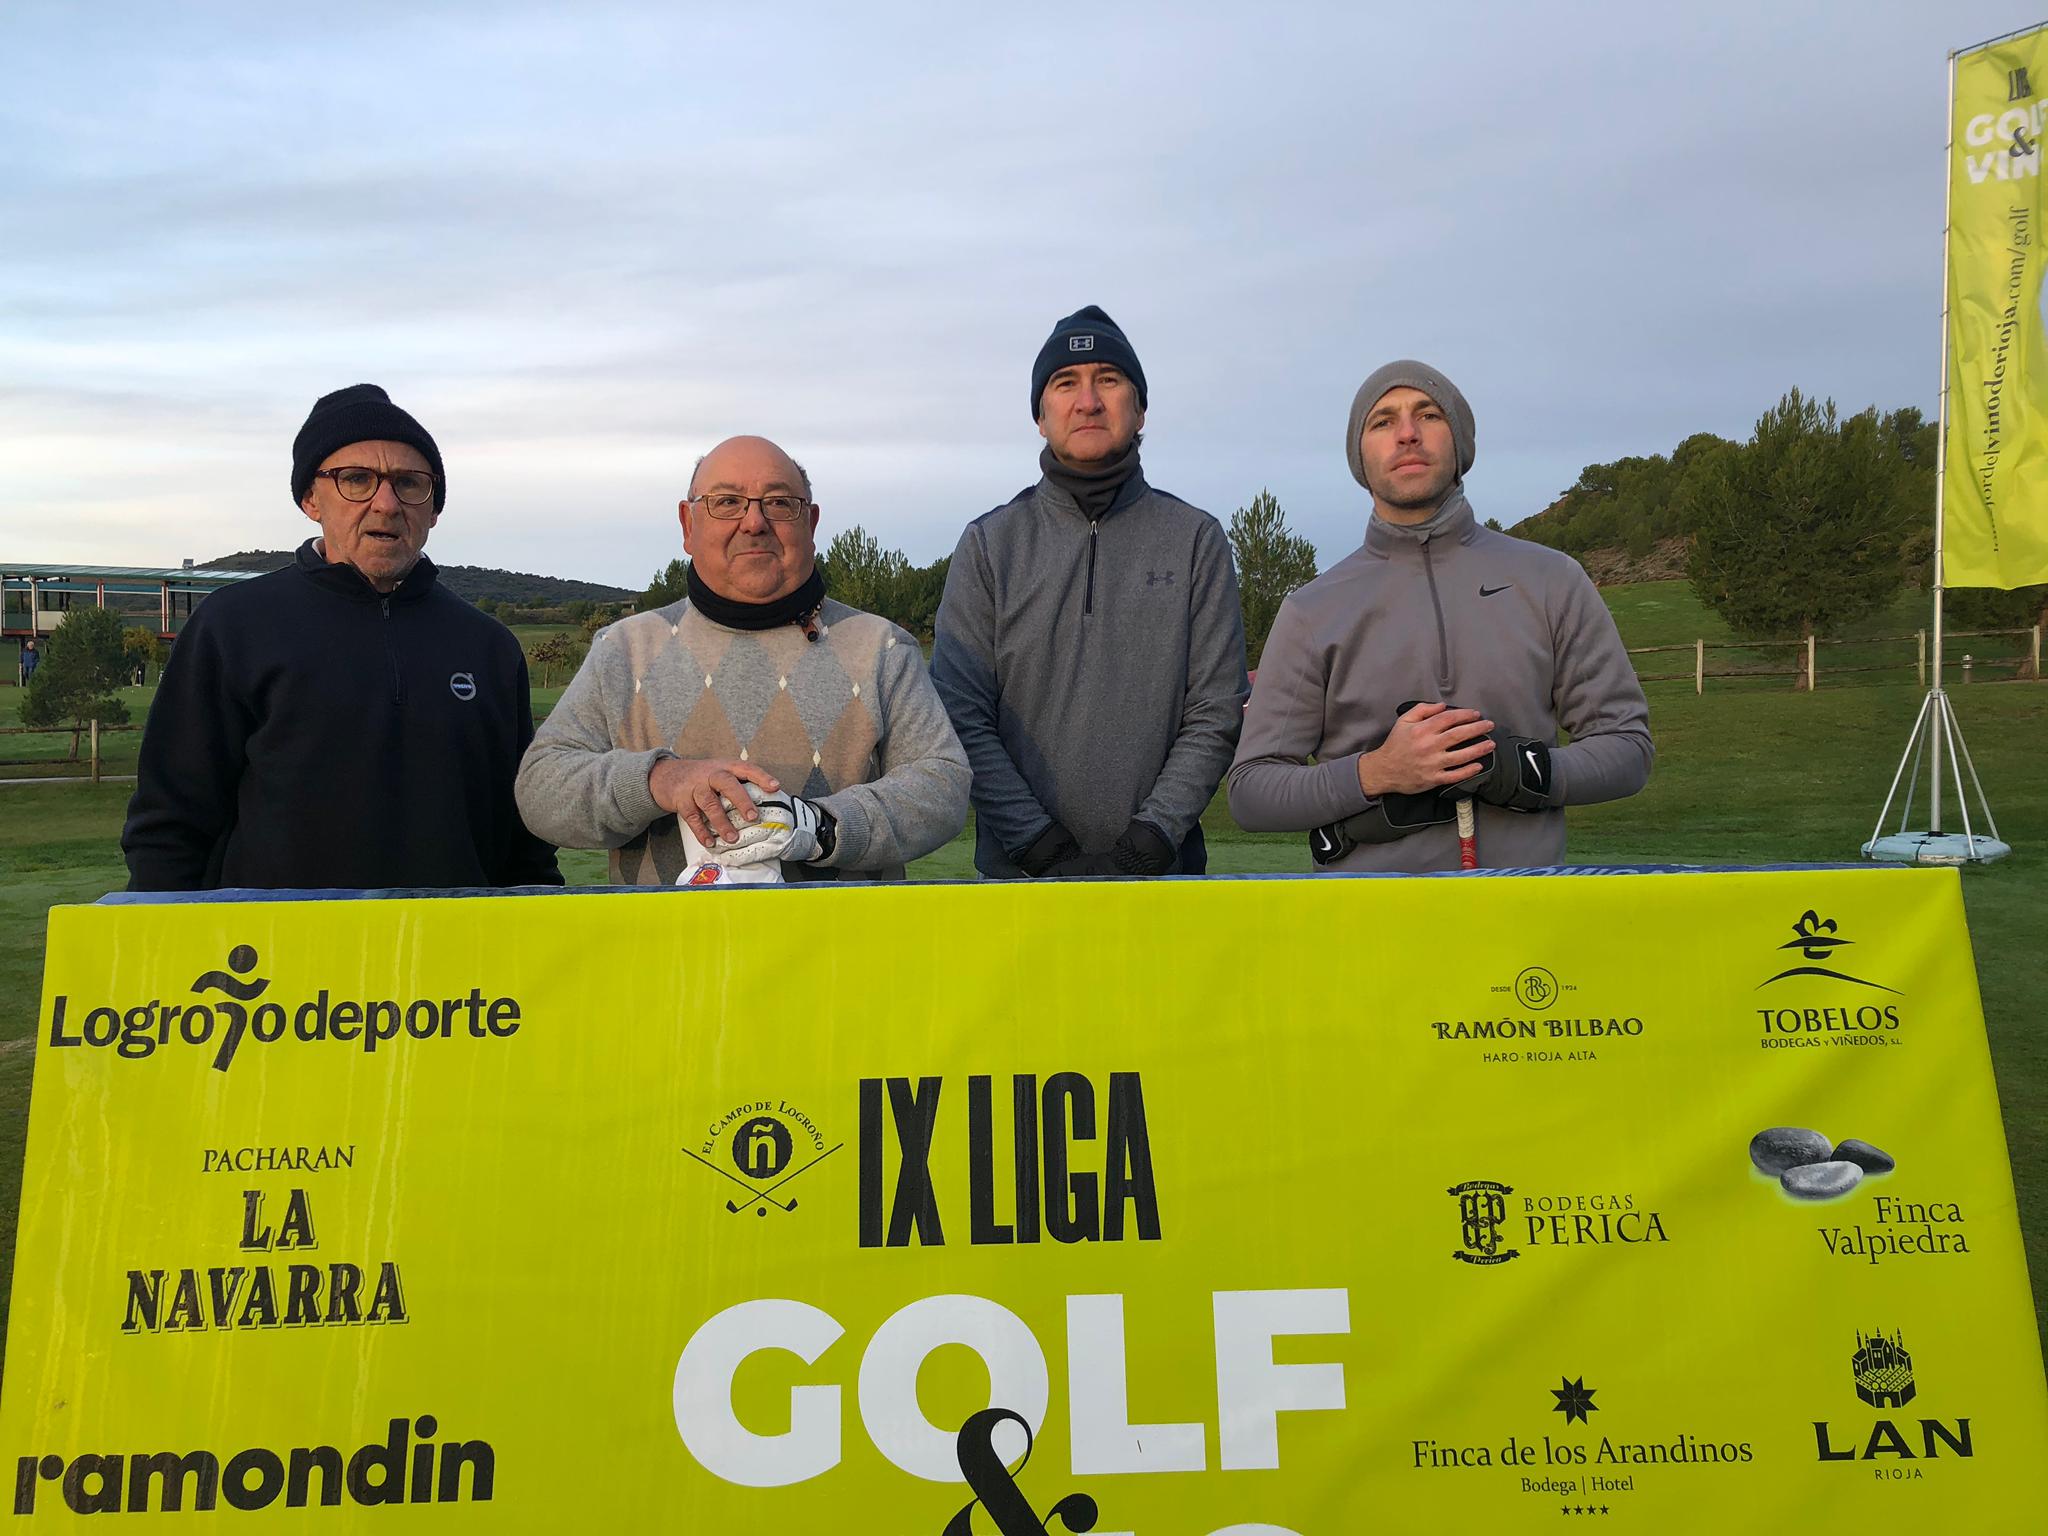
x=1486 y=591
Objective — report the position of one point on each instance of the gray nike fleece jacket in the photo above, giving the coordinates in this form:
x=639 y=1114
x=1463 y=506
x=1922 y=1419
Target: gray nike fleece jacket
x=1462 y=615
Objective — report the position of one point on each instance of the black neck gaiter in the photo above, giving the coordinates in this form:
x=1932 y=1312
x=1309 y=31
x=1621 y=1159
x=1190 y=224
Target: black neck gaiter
x=793 y=609
x=1093 y=489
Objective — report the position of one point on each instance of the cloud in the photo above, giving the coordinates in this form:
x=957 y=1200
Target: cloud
x=585 y=247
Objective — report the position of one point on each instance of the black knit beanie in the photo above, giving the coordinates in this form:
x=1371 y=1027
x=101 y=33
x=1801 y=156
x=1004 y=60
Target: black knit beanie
x=1085 y=336
x=362 y=413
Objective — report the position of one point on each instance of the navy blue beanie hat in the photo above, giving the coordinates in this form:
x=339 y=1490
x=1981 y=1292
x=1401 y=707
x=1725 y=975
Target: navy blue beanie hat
x=1085 y=336
x=362 y=413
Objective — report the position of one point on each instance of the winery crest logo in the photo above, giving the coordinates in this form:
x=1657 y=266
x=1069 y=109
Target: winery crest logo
x=1881 y=1369
x=227 y=1009
x=1536 y=987
x=1538 y=1013
x=1491 y=1216
x=1817 y=938
x=1884 y=1371
x=761 y=1146
x=1482 y=1211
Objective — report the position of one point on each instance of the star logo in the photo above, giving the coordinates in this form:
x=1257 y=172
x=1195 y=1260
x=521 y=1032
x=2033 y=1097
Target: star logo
x=1574 y=1400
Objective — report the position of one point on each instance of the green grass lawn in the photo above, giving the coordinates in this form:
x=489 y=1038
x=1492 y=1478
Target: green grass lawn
x=1747 y=773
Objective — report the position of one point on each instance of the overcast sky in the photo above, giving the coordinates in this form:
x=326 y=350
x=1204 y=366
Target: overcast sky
x=584 y=243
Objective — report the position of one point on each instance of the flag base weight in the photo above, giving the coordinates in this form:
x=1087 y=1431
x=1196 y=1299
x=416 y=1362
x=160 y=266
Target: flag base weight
x=1934 y=848
x=1936 y=729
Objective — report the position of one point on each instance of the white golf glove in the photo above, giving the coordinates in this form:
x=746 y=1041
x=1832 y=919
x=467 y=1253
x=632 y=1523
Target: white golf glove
x=791 y=830
x=710 y=866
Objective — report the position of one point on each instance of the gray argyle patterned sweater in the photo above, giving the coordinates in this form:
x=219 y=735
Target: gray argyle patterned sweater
x=849 y=720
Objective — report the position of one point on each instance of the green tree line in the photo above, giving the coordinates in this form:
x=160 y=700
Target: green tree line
x=1272 y=561
x=1816 y=520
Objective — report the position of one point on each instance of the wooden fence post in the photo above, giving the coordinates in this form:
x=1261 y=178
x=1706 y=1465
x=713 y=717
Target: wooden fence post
x=1812 y=681
x=1699 y=666
x=2036 y=653
x=1923 y=658
x=95 y=751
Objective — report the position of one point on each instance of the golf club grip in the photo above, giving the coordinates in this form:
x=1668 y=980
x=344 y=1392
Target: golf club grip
x=1468 y=842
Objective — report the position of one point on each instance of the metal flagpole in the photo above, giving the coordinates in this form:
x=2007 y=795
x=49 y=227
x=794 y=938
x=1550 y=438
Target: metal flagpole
x=1948 y=202
x=1937 y=723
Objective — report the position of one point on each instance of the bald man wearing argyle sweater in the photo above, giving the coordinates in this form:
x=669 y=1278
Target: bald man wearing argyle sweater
x=755 y=678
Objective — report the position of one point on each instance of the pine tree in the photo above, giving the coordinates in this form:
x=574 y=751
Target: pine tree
x=1801 y=528
x=83 y=667
x=1271 y=562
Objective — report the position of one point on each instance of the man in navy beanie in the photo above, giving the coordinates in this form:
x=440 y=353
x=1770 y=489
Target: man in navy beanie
x=345 y=722
x=1090 y=648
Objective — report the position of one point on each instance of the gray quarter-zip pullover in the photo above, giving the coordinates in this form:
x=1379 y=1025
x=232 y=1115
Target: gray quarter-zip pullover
x=1094 y=670
x=1449 y=612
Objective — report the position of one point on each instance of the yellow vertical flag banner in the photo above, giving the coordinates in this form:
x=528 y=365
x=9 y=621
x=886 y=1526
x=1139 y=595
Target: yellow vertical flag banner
x=1995 y=498
x=1661 y=1203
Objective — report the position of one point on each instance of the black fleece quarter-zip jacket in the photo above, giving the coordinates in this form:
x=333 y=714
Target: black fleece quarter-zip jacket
x=312 y=733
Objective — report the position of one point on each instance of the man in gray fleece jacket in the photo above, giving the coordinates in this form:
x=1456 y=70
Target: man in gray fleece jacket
x=1090 y=648
x=1437 y=662
x=755 y=678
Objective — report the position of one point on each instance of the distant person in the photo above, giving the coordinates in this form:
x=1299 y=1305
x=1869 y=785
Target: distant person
x=1438 y=661
x=1090 y=646
x=31 y=658
x=754 y=678
x=344 y=722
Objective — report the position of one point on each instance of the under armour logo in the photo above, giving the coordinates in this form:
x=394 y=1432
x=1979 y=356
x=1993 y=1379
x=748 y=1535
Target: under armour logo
x=1080 y=343
x=1159 y=578
x=463 y=686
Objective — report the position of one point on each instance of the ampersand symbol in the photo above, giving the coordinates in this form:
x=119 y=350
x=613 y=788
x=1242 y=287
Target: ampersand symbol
x=2021 y=144
x=995 y=1486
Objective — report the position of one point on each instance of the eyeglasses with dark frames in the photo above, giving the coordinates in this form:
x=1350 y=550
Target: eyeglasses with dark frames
x=356 y=482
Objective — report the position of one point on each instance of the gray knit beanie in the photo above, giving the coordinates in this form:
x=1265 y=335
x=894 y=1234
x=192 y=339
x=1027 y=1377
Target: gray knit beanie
x=1416 y=376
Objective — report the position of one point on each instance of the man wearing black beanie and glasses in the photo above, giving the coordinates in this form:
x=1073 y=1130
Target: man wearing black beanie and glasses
x=345 y=722
x=1090 y=648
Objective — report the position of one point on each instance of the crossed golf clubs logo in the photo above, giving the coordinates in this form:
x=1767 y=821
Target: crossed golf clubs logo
x=761 y=1150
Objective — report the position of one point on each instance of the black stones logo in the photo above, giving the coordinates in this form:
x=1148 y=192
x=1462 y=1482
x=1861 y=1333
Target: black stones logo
x=1884 y=1370
x=764 y=1138
x=463 y=685
x=1808 y=1166
x=1536 y=987
x=2017 y=86
x=1817 y=938
x=1482 y=1211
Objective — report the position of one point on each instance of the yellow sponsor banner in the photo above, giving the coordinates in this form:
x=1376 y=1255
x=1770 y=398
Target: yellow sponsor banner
x=1995 y=501
x=1259 y=1206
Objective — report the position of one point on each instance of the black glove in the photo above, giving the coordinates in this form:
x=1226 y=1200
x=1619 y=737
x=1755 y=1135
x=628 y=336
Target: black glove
x=1516 y=774
x=1053 y=846
x=1389 y=817
x=1142 y=850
